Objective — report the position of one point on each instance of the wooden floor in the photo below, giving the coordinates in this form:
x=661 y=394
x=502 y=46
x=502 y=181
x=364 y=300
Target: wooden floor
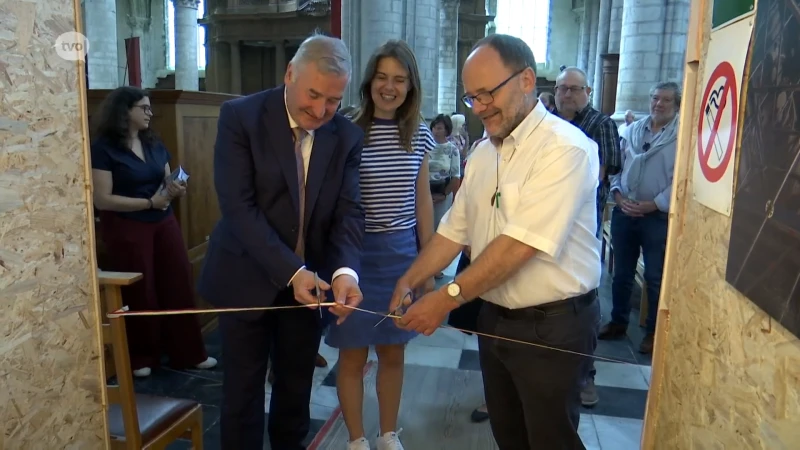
x=434 y=412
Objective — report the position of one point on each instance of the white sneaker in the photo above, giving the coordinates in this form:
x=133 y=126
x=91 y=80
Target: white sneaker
x=209 y=363
x=358 y=444
x=390 y=441
x=143 y=372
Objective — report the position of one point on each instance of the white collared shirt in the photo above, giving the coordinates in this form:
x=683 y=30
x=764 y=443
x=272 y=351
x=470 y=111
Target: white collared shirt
x=305 y=148
x=546 y=172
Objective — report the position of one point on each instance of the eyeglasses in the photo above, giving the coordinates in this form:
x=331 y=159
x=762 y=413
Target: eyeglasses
x=486 y=98
x=574 y=89
x=146 y=108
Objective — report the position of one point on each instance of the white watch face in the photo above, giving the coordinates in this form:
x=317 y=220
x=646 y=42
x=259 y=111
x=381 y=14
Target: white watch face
x=453 y=290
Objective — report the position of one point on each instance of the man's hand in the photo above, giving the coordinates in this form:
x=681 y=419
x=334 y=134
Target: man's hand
x=345 y=292
x=429 y=286
x=642 y=208
x=628 y=207
x=402 y=297
x=305 y=286
x=427 y=313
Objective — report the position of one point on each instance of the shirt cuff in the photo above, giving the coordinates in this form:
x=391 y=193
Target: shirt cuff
x=295 y=274
x=345 y=271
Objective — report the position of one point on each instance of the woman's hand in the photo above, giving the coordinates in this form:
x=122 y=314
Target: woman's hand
x=438 y=198
x=160 y=201
x=176 y=189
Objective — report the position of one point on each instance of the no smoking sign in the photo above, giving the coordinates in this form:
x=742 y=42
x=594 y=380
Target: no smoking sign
x=717 y=122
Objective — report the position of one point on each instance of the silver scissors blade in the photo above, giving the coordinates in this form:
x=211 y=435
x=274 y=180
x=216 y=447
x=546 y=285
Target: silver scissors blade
x=408 y=294
x=319 y=294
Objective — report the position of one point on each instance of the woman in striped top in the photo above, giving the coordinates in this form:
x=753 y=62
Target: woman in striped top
x=399 y=209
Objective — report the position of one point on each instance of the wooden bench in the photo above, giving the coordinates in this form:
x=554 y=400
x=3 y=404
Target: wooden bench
x=137 y=421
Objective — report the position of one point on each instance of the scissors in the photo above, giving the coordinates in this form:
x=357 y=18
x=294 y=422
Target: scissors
x=318 y=294
x=408 y=294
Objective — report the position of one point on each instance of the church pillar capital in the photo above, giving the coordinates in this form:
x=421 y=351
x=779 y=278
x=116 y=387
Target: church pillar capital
x=138 y=24
x=190 y=4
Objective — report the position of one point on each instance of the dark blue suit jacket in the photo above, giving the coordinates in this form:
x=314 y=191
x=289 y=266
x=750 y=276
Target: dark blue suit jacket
x=250 y=255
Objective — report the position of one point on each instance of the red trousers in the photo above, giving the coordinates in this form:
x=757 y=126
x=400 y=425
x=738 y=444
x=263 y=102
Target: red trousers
x=155 y=250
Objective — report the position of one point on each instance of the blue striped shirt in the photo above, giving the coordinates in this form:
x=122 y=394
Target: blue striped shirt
x=389 y=176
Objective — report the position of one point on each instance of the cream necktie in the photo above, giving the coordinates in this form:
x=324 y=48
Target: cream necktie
x=299 y=135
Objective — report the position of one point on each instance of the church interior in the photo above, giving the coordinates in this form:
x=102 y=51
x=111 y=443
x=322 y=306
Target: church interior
x=723 y=372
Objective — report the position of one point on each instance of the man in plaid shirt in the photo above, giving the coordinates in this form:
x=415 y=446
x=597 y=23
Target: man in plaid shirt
x=573 y=105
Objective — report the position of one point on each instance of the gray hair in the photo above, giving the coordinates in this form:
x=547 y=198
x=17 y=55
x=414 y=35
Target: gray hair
x=329 y=54
x=668 y=86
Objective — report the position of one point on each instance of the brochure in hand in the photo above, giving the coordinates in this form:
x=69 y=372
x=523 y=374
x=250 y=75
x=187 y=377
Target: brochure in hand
x=178 y=175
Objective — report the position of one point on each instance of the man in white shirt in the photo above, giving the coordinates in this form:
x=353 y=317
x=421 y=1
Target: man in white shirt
x=527 y=209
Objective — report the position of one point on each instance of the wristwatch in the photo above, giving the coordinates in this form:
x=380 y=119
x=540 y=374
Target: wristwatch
x=454 y=290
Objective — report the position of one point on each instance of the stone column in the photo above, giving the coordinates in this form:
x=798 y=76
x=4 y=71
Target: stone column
x=186 y=70
x=585 y=38
x=448 y=56
x=640 y=58
x=236 y=68
x=603 y=28
x=103 y=59
x=615 y=26
x=593 y=6
x=422 y=33
x=673 y=48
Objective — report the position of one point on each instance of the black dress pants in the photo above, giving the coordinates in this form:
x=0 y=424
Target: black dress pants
x=291 y=339
x=533 y=393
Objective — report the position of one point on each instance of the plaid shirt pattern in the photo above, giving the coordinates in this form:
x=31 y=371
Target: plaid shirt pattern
x=603 y=130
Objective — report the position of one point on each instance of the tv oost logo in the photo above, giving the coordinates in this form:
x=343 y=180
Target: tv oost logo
x=72 y=46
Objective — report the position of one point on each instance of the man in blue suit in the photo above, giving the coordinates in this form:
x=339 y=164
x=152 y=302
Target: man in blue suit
x=286 y=172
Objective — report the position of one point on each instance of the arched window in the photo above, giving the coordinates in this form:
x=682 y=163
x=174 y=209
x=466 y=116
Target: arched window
x=201 y=36
x=528 y=20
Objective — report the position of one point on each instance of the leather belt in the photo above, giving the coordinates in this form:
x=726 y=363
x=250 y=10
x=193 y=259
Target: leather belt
x=570 y=305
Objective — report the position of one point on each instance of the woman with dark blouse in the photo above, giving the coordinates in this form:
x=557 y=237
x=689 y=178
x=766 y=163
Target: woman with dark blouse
x=139 y=230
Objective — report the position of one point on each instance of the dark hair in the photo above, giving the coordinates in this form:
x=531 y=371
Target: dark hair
x=408 y=115
x=111 y=119
x=444 y=120
x=513 y=51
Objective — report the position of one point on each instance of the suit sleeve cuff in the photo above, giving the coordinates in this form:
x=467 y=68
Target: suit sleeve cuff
x=345 y=271
x=295 y=274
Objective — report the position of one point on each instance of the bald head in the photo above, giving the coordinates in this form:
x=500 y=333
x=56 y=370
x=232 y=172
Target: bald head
x=572 y=92
x=500 y=82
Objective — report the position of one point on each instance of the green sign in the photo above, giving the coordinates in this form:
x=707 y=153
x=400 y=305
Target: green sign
x=728 y=10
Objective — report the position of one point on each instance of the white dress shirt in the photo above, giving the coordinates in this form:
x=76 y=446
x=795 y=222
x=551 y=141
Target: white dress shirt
x=305 y=148
x=546 y=172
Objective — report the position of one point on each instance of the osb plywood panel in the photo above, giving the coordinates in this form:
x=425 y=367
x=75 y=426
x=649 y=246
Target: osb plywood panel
x=731 y=376
x=50 y=373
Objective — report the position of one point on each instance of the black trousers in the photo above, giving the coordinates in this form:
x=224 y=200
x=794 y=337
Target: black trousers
x=291 y=339
x=533 y=393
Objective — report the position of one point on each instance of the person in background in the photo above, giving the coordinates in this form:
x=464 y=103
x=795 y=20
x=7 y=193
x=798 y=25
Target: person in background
x=639 y=223
x=444 y=169
x=459 y=136
x=548 y=100
x=573 y=104
x=139 y=229
x=630 y=117
x=397 y=200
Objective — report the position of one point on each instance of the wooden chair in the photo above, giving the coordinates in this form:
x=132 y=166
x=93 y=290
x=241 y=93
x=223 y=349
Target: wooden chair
x=138 y=421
